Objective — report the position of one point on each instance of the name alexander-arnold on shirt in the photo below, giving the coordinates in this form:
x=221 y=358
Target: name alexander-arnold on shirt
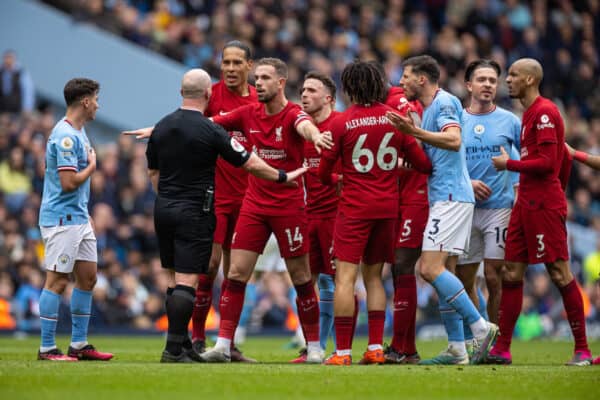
x=367 y=121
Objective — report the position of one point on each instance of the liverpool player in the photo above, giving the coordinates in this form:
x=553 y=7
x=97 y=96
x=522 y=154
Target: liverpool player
x=276 y=128
x=318 y=100
x=368 y=146
x=537 y=231
x=412 y=218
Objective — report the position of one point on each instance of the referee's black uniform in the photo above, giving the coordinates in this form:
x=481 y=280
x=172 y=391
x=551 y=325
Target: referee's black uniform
x=184 y=147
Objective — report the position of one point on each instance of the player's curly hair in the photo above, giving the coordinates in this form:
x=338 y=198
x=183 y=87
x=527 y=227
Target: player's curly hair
x=363 y=83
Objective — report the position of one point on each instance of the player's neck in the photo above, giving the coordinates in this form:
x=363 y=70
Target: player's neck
x=321 y=115
x=276 y=104
x=76 y=118
x=529 y=98
x=429 y=92
x=478 y=107
x=241 y=90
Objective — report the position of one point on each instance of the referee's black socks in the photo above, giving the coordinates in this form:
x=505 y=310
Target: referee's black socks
x=180 y=305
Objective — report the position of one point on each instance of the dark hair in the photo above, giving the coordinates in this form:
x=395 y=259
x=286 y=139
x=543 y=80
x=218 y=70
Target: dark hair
x=280 y=67
x=482 y=63
x=424 y=65
x=240 y=45
x=78 y=88
x=325 y=79
x=363 y=83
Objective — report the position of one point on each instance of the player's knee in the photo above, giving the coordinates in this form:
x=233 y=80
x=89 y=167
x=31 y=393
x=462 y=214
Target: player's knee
x=559 y=276
x=87 y=282
x=239 y=274
x=402 y=268
x=427 y=272
x=57 y=285
x=493 y=284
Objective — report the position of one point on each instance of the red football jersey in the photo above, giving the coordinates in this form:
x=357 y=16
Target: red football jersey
x=230 y=182
x=321 y=200
x=413 y=184
x=368 y=146
x=542 y=123
x=275 y=140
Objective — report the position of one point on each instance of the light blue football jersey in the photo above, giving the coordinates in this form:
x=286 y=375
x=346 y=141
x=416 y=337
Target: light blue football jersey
x=483 y=135
x=66 y=150
x=449 y=179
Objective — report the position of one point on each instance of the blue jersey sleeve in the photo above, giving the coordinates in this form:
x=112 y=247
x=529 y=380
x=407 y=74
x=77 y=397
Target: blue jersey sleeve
x=67 y=150
x=448 y=115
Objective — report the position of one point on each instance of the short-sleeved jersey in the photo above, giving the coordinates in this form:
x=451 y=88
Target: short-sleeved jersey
x=368 y=146
x=230 y=182
x=66 y=150
x=449 y=179
x=542 y=123
x=274 y=139
x=184 y=147
x=321 y=200
x=483 y=135
x=413 y=184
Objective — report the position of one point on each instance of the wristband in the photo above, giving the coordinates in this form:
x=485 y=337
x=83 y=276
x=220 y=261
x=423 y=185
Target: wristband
x=282 y=176
x=580 y=156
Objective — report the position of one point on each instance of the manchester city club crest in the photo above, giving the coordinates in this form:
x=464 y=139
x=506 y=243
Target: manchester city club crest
x=479 y=129
x=64 y=259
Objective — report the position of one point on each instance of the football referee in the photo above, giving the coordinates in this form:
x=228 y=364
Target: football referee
x=182 y=153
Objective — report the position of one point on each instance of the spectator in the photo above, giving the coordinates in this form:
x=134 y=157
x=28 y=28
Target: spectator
x=16 y=87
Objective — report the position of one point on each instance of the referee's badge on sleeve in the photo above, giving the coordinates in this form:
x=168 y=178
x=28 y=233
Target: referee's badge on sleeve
x=237 y=146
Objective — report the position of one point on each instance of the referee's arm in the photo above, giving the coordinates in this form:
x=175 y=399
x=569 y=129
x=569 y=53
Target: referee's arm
x=153 y=175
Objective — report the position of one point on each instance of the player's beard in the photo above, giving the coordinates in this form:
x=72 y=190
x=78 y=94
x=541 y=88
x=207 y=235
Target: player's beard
x=266 y=97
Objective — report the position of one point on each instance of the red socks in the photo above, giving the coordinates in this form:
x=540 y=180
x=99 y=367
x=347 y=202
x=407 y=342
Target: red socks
x=405 y=314
x=573 y=304
x=308 y=310
x=510 y=308
x=201 y=307
x=230 y=307
x=376 y=323
x=343 y=332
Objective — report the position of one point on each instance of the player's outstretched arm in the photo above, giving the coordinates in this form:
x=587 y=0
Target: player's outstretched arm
x=142 y=133
x=590 y=160
x=71 y=180
x=257 y=167
x=310 y=132
x=448 y=139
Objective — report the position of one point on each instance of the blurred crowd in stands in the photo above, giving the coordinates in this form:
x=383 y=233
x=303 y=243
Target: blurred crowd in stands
x=308 y=34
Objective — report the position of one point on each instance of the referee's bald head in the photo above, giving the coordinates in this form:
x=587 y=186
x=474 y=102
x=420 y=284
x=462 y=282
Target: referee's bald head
x=195 y=84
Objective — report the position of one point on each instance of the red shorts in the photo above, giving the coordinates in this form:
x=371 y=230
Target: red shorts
x=369 y=240
x=536 y=236
x=253 y=230
x=226 y=220
x=411 y=224
x=320 y=239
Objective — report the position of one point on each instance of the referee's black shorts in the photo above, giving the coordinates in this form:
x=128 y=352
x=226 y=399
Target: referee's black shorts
x=185 y=235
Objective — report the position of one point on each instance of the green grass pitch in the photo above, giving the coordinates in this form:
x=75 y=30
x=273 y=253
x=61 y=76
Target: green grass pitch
x=135 y=373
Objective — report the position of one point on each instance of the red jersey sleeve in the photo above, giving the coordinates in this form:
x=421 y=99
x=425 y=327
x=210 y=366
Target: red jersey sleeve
x=416 y=156
x=233 y=120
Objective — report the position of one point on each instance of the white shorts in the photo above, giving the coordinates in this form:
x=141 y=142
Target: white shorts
x=488 y=235
x=448 y=227
x=270 y=260
x=65 y=244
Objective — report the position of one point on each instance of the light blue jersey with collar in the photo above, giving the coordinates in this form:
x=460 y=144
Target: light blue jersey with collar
x=483 y=135
x=66 y=150
x=449 y=179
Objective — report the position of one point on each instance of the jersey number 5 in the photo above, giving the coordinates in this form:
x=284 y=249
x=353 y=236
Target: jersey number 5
x=364 y=154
